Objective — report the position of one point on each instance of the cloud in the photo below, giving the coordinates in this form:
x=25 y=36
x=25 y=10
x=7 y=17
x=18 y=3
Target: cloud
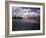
x=38 y=11
x=18 y=11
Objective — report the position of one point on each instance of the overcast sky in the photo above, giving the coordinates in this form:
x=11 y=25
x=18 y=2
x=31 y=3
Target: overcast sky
x=25 y=11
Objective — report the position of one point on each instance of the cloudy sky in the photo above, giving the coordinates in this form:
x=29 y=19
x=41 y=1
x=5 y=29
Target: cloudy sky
x=25 y=11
